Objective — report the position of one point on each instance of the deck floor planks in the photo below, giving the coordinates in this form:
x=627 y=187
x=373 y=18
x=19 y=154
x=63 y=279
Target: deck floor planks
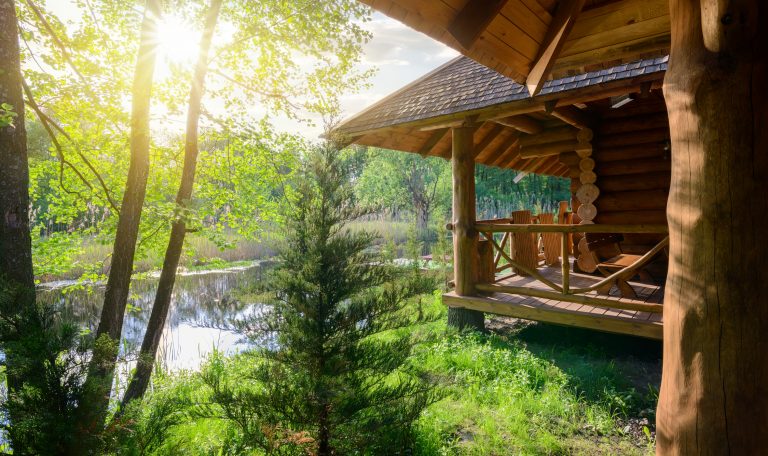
x=639 y=323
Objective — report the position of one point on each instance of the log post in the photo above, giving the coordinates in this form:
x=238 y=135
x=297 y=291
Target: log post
x=565 y=262
x=464 y=233
x=524 y=249
x=486 y=267
x=714 y=392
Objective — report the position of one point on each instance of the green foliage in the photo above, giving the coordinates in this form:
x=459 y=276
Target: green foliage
x=498 y=194
x=504 y=395
x=281 y=58
x=7 y=114
x=334 y=373
x=396 y=181
x=47 y=366
x=512 y=396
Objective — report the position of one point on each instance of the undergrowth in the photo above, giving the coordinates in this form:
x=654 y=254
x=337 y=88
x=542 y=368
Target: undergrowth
x=530 y=392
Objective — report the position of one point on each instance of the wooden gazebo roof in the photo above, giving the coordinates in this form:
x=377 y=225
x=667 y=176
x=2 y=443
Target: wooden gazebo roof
x=531 y=41
x=418 y=117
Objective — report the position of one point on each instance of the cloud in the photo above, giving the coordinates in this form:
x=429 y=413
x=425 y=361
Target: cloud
x=395 y=44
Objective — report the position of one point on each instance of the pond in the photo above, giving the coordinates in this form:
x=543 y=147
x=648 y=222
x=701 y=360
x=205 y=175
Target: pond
x=202 y=304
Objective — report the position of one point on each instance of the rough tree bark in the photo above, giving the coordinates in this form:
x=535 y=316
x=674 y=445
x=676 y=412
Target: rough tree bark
x=15 y=243
x=93 y=406
x=151 y=342
x=714 y=393
x=464 y=233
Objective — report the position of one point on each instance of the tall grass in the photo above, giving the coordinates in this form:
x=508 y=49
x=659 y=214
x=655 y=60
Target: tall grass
x=202 y=249
x=387 y=230
x=539 y=390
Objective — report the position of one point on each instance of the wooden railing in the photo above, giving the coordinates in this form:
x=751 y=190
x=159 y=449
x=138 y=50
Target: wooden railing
x=563 y=291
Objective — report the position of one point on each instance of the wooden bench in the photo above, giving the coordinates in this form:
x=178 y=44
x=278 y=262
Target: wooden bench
x=606 y=248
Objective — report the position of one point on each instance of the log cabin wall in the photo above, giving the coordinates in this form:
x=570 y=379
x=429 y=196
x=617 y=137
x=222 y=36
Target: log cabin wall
x=632 y=162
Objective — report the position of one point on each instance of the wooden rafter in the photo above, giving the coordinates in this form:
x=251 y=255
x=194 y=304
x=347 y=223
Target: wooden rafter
x=473 y=19
x=551 y=169
x=562 y=22
x=488 y=139
x=430 y=144
x=513 y=161
x=521 y=123
x=573 y=116
x=509 y=146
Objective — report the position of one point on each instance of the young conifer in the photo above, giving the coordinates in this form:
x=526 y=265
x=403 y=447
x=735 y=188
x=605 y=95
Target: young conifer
x=335 y=375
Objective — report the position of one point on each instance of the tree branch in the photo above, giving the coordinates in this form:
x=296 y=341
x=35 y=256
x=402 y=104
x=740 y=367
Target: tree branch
x=57 y=41
x=47 y=123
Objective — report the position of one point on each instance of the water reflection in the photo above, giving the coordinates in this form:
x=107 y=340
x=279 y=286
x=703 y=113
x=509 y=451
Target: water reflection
x=201 y=303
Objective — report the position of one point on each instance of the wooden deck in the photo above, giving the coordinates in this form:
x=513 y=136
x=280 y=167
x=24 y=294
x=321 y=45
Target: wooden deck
x=637 y=323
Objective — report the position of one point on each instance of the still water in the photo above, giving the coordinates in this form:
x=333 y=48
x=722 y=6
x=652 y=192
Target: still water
x=202 y=304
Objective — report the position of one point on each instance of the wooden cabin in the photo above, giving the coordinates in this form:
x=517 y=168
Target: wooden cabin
x=605 y=129
x=713 y=398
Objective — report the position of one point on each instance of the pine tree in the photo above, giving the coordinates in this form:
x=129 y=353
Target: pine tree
x=336 y=375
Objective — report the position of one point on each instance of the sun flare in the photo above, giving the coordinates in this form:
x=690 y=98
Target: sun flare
x=177 y=41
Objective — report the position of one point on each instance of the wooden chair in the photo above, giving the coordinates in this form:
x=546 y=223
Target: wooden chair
x=606 y=249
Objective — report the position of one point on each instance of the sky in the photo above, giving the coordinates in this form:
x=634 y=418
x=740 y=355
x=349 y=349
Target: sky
x=399 y=54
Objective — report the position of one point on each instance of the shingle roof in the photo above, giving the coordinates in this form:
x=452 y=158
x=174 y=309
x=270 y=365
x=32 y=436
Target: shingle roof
x=463 y=84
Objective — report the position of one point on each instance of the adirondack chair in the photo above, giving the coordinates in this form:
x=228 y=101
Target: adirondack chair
x=606 y=248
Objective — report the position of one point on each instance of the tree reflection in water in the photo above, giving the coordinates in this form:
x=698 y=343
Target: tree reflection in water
x=202 y=305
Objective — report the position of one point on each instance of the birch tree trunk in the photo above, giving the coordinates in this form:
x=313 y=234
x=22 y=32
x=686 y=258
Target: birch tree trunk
x=151 y=342
x=714 y=393
x=98 y=385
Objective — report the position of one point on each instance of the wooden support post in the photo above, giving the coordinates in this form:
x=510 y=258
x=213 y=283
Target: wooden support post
x=564 y=218
x=486 y=267
x=551 y=241
x=524 y=248
x=464 y=233
x=565 y=265
x=714 y=390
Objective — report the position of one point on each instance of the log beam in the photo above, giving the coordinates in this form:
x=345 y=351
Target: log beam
x=562 y=22
x=508 y=147
x=473 y=19
x=547 y=150
x=549 y=136
x=521 y=123
x=573 y=116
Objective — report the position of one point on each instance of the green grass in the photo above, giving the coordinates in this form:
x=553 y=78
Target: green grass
x=511 y=397
x=522 y=389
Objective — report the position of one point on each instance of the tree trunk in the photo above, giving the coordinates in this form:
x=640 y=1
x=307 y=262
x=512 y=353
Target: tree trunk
x=151 y=342
x=422 y=219
x=464 y=234
x=714 y=393
x=98 y=385
x=15 y=244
